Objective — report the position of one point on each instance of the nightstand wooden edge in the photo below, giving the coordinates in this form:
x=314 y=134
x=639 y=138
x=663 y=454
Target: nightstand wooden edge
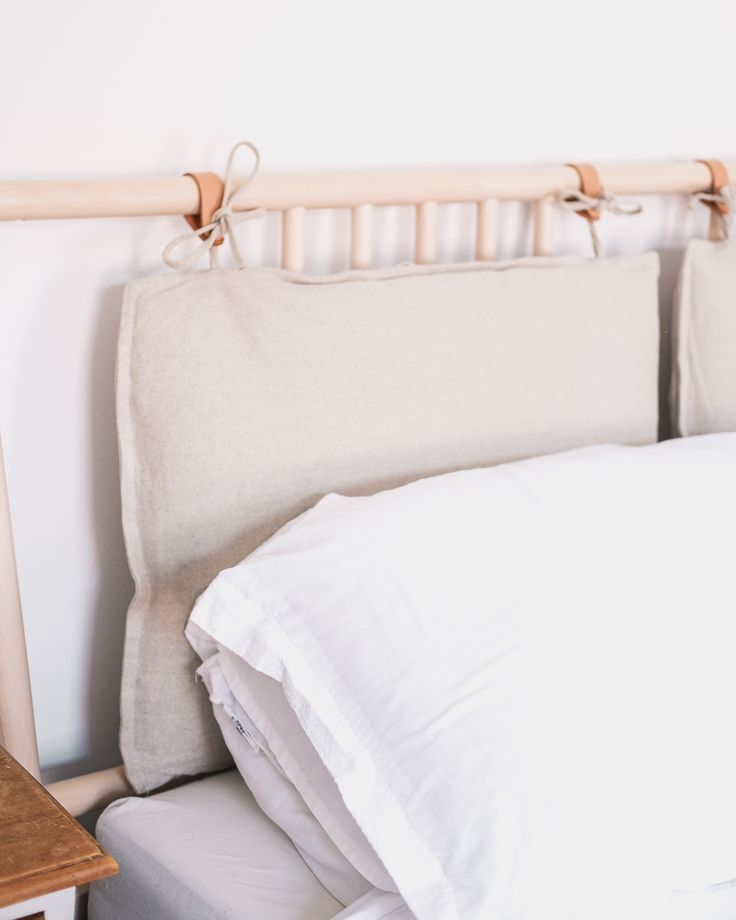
x=71 y=876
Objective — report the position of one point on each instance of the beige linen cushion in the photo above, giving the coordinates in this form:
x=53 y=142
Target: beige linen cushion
x=243 y=397
x=703 y=396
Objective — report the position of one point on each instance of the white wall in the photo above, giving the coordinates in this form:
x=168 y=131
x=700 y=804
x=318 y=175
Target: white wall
x=93 y=88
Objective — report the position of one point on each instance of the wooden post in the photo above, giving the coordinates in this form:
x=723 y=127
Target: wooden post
x=292 y=242
x=543 y=217
x=425 y=244
x=361 y=238
x=17 y=726
x=486 y=230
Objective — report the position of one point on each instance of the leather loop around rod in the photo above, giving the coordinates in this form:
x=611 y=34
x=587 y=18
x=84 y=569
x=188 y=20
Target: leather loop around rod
x=718 y=179
x=590 y=184
x=211 y=188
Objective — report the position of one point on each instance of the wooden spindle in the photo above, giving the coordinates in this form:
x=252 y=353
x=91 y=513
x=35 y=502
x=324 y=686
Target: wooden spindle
x=292 y=240
x=486 y=230
x=543 y=217
x=361 y=240
x=425 y=245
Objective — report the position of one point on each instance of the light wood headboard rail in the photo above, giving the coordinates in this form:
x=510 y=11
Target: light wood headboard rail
x=360 y=191
x=61 y=199
x=291 y=194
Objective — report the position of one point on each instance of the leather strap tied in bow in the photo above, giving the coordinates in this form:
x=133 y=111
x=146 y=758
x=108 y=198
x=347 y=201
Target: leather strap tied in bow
x=216 y=219
x=591 y=199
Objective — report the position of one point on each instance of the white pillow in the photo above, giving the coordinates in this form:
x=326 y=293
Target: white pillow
x=282 y=769
x=521 y=678
x=270 y=784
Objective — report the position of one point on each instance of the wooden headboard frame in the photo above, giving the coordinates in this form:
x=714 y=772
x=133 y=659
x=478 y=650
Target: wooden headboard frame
x=292 y=195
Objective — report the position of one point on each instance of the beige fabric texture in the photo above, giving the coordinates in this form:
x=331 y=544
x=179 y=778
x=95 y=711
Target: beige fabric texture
x=243 y=397
x=703 y=395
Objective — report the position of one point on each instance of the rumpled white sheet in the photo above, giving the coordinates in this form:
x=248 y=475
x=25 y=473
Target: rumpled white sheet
x=377 y=905
x=715 y=903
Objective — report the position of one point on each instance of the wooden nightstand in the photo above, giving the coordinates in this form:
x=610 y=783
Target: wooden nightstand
x=44 y=853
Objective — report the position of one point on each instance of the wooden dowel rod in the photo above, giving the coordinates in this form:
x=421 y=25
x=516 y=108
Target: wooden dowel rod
x=486 y=233
x=48 y=200
x=82 y=794
x=17 y=725
x=543 y=218
x=425 y=243
x=361 y=236
x=40 y=200
x=292 y=240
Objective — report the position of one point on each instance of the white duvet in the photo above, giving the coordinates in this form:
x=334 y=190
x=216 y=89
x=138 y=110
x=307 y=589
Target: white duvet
x=519 y=681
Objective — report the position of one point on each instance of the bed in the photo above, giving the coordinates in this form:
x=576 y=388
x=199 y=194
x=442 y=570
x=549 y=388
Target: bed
x=235 y=418
x=236 y=863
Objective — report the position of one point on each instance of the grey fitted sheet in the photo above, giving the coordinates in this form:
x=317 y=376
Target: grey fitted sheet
x=200 y=852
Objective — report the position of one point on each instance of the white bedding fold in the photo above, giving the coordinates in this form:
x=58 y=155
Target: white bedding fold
x=520 y=679
x=377 y=905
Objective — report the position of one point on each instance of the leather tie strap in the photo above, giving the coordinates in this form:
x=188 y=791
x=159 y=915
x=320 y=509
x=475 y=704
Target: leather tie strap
x=718 y=181
x=590 y=186
x=211 y=188
x=217 y=217
x=591 y=198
